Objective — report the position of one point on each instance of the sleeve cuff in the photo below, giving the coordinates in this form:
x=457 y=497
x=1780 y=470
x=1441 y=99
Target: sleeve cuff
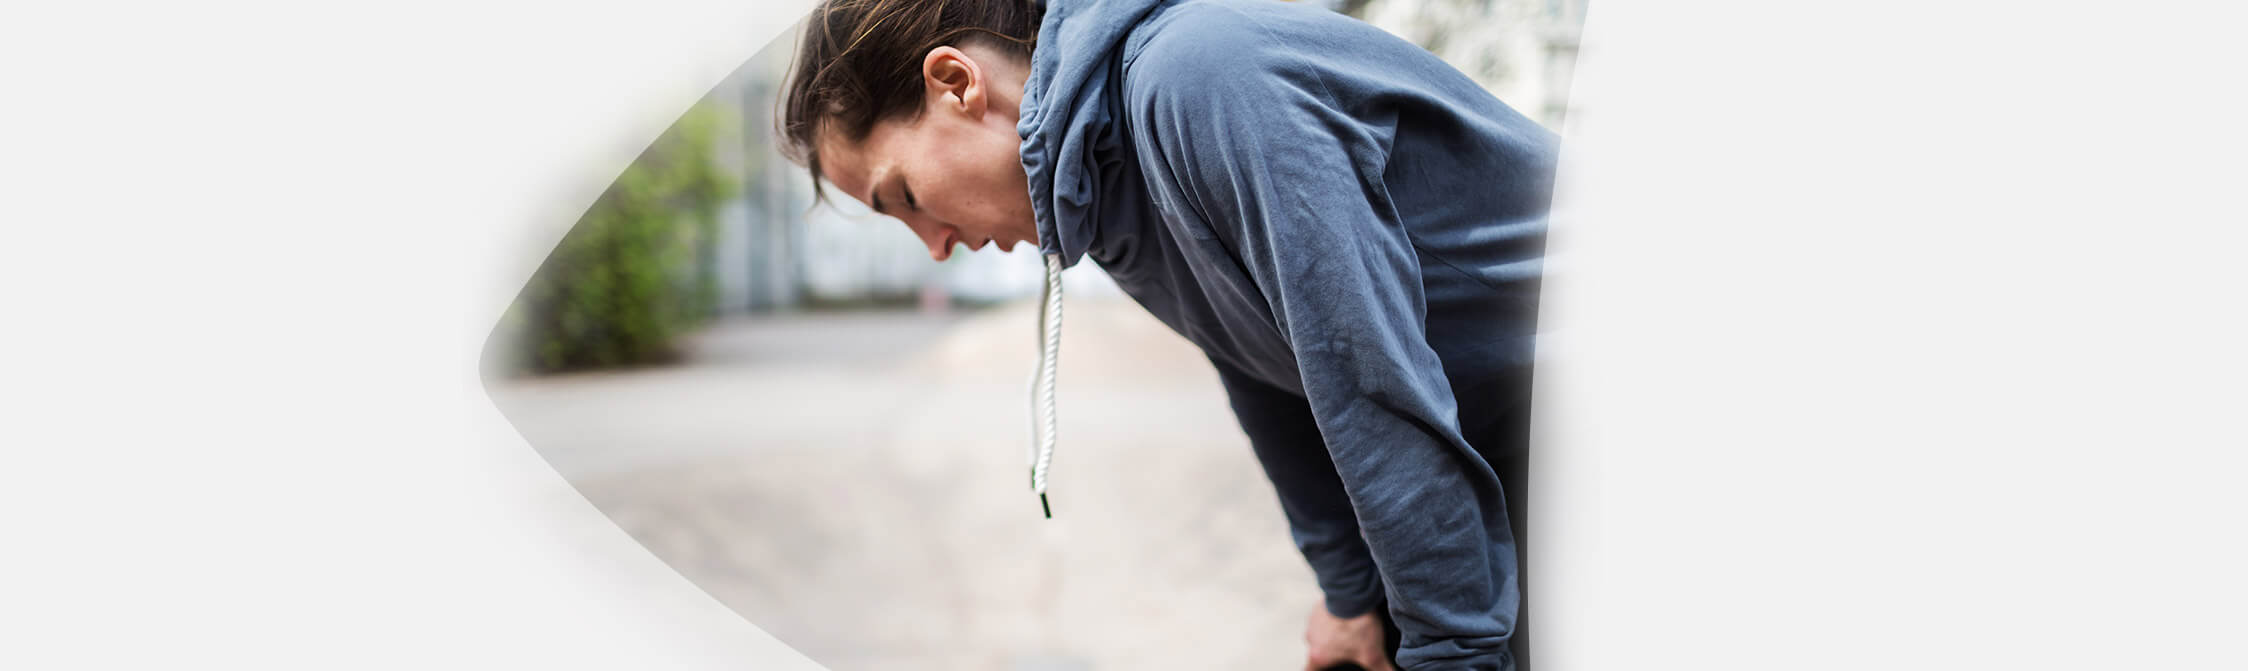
x=1353 y=604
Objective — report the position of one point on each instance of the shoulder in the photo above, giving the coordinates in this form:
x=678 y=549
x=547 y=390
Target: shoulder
x=1219 y=49
x=1215 y=92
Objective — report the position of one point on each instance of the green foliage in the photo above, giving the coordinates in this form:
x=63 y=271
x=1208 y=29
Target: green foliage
x=634 y=273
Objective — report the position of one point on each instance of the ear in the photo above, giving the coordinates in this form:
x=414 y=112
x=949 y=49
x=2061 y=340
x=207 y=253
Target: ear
x=953 y=80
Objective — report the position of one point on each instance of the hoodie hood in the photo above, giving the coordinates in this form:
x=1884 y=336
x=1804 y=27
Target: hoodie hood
x=1068 y=117
x=1070 y=140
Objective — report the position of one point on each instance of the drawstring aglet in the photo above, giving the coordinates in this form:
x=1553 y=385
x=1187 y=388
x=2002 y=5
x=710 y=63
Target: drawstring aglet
x=1042 y=506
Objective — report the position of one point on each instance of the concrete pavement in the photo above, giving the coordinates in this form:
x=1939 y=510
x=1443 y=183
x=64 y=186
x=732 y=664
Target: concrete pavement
x=856 y=485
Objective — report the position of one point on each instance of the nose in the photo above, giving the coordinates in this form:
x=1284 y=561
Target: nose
x=937 y=237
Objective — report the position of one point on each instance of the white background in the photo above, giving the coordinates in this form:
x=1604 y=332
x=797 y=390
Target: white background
x=1884 y=335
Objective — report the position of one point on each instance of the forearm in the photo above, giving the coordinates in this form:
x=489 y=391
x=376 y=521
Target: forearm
x=1321 y=521
x=1433 y=518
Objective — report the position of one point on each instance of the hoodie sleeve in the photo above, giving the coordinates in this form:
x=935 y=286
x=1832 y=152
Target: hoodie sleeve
x=1246 y=135
x=1286 y=441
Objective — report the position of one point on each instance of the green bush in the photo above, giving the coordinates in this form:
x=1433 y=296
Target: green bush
x=631 y=276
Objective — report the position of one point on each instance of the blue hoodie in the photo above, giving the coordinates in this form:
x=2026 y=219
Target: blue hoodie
x=1352 y=231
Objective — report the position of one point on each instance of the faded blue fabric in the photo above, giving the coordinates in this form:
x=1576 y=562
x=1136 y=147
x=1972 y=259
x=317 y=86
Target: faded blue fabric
x=1352 y=232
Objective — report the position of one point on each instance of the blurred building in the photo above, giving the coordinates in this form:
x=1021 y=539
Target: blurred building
x=1523 y=51
x=776 y=250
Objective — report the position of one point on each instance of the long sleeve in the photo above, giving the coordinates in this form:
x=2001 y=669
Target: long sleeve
x=1286 y=441
x=1253 y=148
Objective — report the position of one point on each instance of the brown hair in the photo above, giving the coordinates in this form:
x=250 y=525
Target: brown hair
x=858 y=62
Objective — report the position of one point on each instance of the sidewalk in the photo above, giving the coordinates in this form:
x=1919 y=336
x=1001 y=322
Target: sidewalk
x=856 y=485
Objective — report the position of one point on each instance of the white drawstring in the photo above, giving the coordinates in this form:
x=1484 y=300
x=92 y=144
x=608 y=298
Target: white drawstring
x=1043 y=426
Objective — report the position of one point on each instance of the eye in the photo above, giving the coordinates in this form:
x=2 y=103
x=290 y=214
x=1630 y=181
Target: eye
x=910 y=203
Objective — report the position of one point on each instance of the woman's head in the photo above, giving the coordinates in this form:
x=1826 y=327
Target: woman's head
x=910 y=107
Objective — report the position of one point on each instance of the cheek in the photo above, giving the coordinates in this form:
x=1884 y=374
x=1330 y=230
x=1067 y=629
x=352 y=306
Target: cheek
x=1009 y=186
x=982 y=178
x=989 y=183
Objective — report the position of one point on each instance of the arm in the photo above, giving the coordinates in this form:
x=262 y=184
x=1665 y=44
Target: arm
x=1286 y=440
x=1264 y=157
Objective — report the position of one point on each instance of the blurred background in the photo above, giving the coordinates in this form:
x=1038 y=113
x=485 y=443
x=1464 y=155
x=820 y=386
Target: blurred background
x=799 y=411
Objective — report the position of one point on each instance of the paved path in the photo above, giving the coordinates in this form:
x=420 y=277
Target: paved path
x=856 y=485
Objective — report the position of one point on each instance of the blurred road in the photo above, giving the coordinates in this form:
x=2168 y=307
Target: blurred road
x=856 y=484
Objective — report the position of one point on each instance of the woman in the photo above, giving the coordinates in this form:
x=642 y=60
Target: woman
x=1349 y=228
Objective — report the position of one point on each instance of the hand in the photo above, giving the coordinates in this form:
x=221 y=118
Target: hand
x=1335 y=641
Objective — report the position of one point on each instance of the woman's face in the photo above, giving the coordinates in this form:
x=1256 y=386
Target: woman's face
x=953 y=174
